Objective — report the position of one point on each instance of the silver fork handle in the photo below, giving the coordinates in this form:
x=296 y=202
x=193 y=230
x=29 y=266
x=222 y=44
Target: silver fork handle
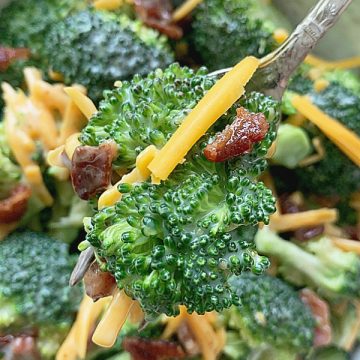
x=278 y=66
x=306 y=35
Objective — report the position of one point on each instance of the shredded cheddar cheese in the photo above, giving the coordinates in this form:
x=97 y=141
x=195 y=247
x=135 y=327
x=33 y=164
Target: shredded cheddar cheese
x=337 y=64
x=214 y=104
x=185 y=9
x=85 y=105
x=318 y=156
x=321 y=84
x=346 y=140
x=75 y=344
x=112 y=321
x=71 y=143
x=347 y=244
x=139 y=174
x=280 y=35
x=289 y=222
x=107 y=4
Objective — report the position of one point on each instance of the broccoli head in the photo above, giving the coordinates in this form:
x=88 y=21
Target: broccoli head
x=272 y=314
x=25 y=23
x=335 y=174
x=10 y=173
x=34 y=291
x=97 y=48
x=318 y=263
x=240 y=23
x=178 y=242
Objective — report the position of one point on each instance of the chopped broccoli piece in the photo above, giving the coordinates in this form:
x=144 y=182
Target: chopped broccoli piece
x=241 y=23
x=292 y=146
x=335 y=174
x=10 y=173
x=320 y=263
x=97 y=48
x=34 y=291
x=25 y=23
x=272 y=314
x=149 y=109
x=35 y=270
x=180 y=235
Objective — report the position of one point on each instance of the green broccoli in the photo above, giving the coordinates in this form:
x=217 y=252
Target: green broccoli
x=272 y=315
x=178 y=241
x=318 y=263
x=25 y=23
x=335 y=174
x=34 y=291
x=10 y=172
x=244 y=24
x=96 y=48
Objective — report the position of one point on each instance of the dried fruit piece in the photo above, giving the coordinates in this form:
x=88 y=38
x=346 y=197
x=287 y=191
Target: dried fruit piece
x=91 y=169
x=13 y=207
x=238 y=138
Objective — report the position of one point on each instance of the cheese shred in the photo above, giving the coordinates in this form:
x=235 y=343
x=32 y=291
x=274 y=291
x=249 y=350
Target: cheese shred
x=84 y=103
x=290 y=222
x=214 y=104
x=346 y=140
x=112 y=321
x=185 y=9
x=350 y=63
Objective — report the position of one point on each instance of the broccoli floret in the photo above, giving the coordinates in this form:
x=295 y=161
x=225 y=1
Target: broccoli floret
x=10 y=173
x=272 y=314
x=147 y=110
x=97 y=48
x=25 y=23
x=34 y=291
x=319 y=263
x=241 y=23
x=178 y=240
x=335 y=174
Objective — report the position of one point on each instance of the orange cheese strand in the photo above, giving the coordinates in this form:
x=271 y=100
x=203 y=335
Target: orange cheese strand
x=112 y=321
x=214 y=104
x=350 y=63
x=184 y=9
x=85 y=105
x=107 y=4
x=347 y=244
x=173 y=323
x=204 y=334
x=289 y=222
x=141 y=173
x=75 y=344
x=346 y=140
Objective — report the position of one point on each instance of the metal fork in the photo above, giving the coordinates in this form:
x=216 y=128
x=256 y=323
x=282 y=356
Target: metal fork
x=276 y=68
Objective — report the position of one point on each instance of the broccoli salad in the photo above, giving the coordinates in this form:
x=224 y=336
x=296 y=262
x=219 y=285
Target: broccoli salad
x=151 y=209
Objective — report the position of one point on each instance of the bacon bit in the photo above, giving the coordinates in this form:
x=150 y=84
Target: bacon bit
x=238 y=138
x=7 y=55
x=321 y=313
x=91 y=169
x=187 y=340
x=144 y=349
x=157 y=15
x=98 y=284
x=14 y=207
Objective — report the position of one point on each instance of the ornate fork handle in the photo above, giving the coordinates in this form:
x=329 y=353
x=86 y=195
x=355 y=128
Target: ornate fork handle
x=277 y=67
